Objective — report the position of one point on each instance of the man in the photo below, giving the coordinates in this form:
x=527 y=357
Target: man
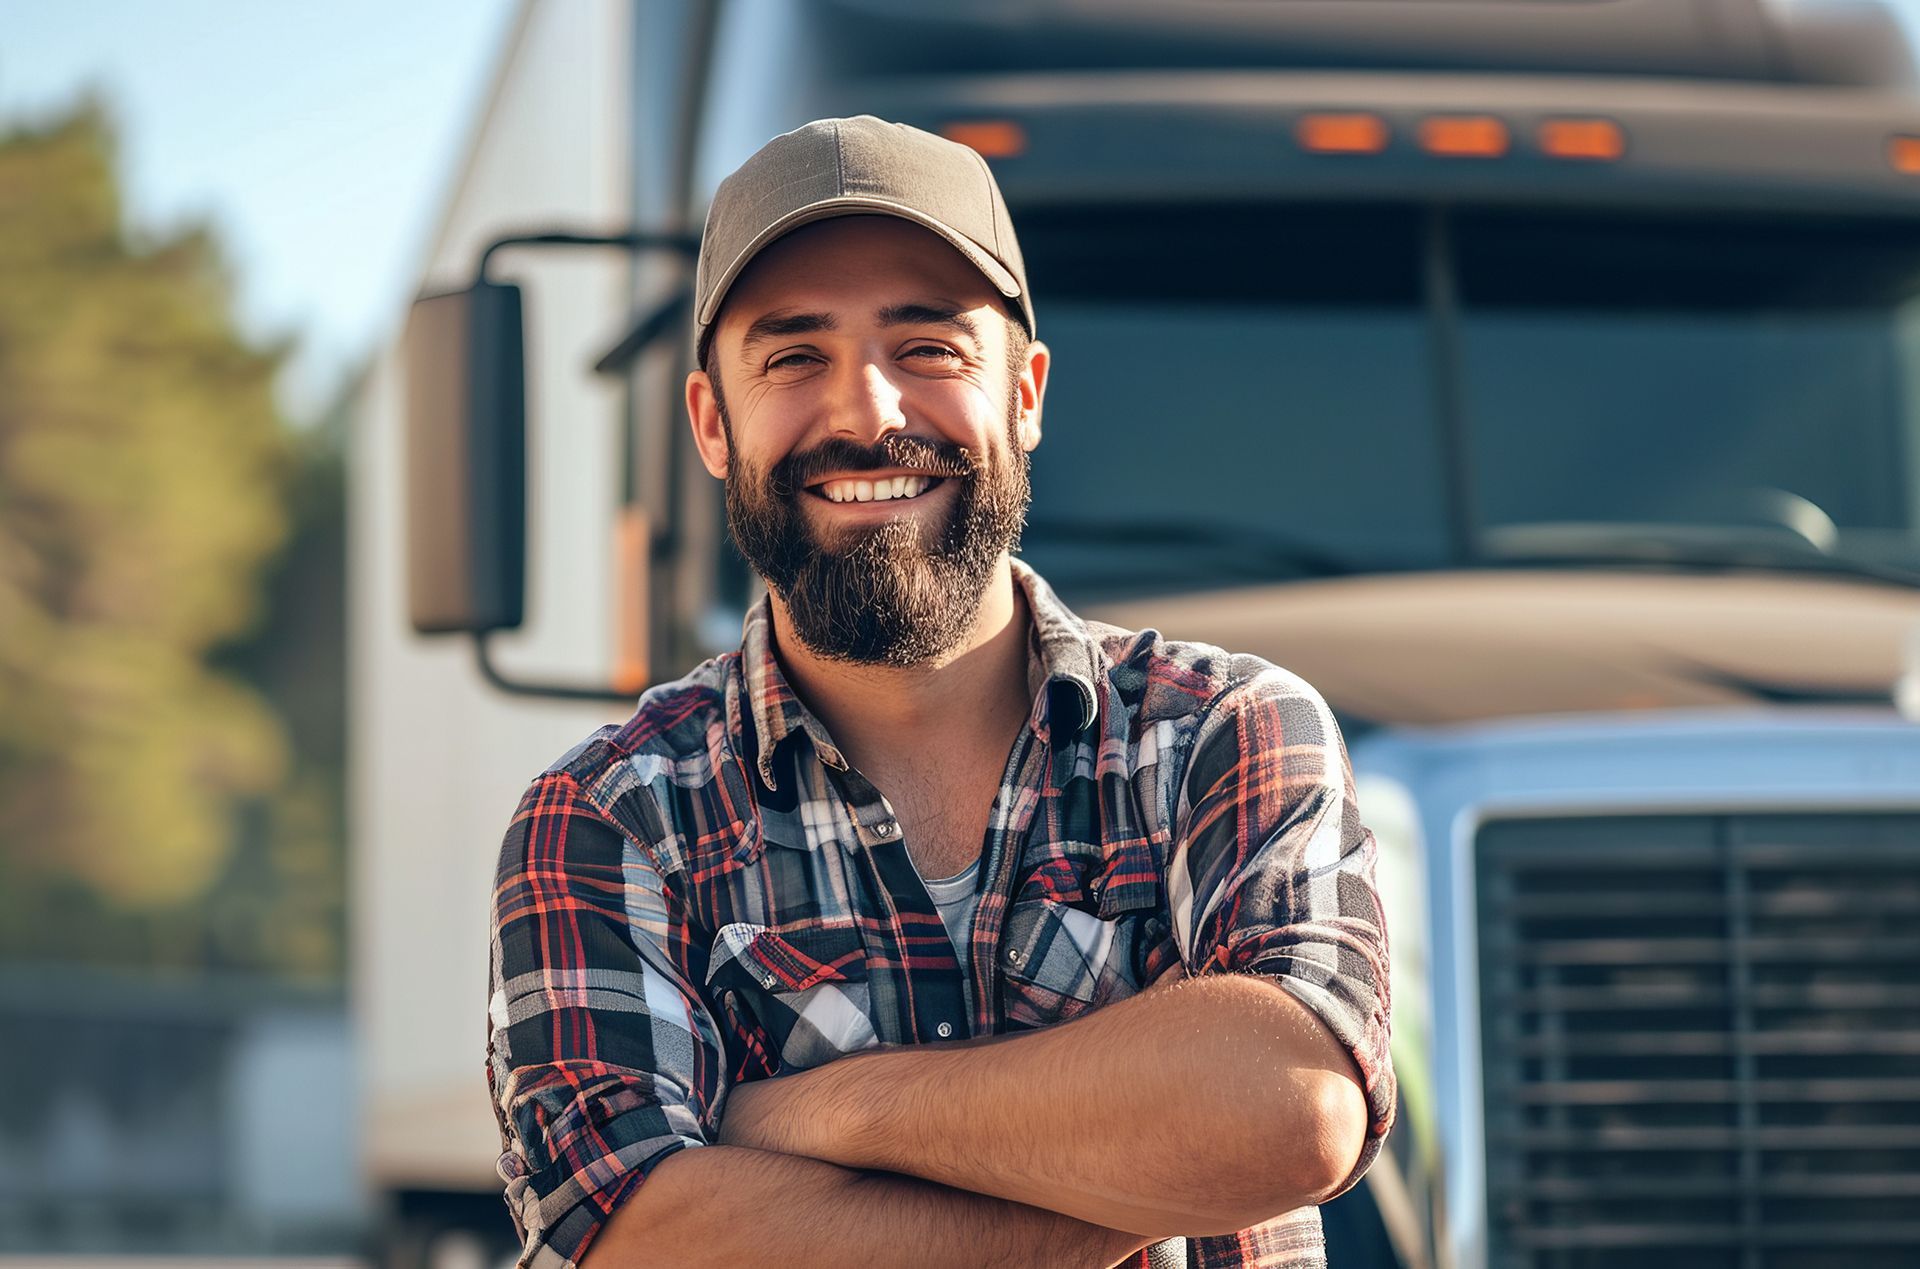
x=1062 y=941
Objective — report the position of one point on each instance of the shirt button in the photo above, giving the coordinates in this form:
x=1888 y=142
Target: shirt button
x=1013 y=954
x=884 y=828
x=766 y=980
x=944 y=1030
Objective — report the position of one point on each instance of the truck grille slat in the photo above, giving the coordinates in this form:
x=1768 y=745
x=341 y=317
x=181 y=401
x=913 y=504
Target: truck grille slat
x=1657 y=995
x=1827 y=903
x=1708 y=1042
x=1628 y=1137
x=1660 y=1236
x=1701 y=1040
x=1710 y=951
x=1843 y=1185
x=1819 y=1092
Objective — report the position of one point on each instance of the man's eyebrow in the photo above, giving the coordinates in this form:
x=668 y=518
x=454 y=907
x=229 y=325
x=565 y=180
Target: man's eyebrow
x=949 y=315
x=781 y=325
x=772 y=326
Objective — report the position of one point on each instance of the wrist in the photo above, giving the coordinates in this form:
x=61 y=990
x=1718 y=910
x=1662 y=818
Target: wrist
x=827 y=1113
x=850 y=1129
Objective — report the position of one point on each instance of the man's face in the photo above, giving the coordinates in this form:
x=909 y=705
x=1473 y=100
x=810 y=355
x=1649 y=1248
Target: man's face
x=872 y=433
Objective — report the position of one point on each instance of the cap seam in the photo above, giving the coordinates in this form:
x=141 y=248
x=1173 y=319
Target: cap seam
x=993 y=211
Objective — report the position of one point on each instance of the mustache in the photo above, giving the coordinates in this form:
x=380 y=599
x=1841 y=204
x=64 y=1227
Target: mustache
x=838 y=454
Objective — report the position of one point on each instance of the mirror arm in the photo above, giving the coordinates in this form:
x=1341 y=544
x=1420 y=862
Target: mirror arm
x=668 y=313
x=632 y=240
x=652 y=327
x=561 y=691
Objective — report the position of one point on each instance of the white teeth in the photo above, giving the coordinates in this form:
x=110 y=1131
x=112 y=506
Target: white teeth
x=875 y=490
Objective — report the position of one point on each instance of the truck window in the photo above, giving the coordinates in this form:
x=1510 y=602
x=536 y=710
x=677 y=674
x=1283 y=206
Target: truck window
x=1225 y=379
x=1673 y=371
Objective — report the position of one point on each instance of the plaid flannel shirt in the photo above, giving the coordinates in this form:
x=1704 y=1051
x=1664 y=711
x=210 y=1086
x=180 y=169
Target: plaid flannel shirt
x=709 y=893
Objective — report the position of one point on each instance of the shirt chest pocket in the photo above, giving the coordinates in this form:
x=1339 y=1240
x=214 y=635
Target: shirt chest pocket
x=806 y=987
x=1057 y=960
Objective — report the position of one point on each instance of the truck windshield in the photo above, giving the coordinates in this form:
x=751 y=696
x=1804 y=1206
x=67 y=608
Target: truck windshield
x=1756 y=377
x=1256 y=393
x=1237 y=396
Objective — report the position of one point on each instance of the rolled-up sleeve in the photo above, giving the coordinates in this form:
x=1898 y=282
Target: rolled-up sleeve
x=601 y=1060
x=1271 y=871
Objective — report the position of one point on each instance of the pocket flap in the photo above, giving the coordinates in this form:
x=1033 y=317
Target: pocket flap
x=1057 y=947
x=793 y=960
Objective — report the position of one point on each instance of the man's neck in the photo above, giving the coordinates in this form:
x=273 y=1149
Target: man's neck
x=976 y=693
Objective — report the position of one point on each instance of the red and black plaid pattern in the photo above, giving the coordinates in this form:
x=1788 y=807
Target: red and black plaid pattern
x=708 y=893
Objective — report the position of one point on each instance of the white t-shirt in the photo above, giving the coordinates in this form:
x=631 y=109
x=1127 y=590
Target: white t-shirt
x=956 y=897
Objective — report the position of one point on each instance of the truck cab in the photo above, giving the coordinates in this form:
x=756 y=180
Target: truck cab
x=1539 y=379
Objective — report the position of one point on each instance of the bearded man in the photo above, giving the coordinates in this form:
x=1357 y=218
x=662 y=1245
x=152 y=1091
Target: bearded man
x=934 y=926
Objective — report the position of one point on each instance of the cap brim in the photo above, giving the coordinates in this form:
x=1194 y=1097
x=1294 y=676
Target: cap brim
x=854 y=205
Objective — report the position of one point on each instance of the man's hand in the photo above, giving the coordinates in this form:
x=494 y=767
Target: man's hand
x=1200 y=1106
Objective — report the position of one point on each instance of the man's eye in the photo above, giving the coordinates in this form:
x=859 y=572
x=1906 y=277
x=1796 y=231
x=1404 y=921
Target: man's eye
x=933 y=351
x=790 y=360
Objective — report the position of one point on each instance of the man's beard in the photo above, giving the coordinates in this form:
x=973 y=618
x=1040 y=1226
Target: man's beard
x=893 y=593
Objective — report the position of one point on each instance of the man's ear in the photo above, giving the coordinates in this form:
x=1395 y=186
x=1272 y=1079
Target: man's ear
x=1032 y=388
x=709 y=433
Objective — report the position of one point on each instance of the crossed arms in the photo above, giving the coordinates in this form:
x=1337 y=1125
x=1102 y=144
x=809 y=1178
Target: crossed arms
x=1199 y=1106
x=1202 y=1105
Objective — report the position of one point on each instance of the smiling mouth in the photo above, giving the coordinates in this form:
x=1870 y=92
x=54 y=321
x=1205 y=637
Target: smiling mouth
x=885 y=489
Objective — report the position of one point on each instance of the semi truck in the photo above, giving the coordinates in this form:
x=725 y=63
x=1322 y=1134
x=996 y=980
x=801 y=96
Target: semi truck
x=1539 y=379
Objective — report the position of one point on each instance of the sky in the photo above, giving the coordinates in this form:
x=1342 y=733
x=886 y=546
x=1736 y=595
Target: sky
x=319 y=139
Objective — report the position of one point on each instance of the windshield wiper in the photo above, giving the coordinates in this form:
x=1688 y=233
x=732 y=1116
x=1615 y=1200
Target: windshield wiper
x=1207 y=550
x=1678 y=545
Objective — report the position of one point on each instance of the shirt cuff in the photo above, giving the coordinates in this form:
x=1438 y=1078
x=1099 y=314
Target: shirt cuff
x=569 y=1166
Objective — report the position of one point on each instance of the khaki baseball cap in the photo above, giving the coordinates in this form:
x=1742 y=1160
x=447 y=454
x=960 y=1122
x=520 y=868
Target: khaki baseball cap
x=856 y=167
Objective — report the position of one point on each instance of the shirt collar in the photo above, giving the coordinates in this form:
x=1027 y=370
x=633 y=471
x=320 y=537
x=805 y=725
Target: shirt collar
x=1064 y=661
x=777 y=712
x=1063 y=657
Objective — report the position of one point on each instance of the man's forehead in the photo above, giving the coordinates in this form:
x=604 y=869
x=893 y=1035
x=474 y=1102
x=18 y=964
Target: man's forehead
x=858 y=263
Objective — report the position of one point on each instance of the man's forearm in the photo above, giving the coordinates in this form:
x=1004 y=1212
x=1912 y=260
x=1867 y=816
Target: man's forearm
x=726 y=1206
x=1200 y=1106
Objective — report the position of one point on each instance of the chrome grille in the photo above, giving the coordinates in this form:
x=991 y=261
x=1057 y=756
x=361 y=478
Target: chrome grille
x=1701 y=1041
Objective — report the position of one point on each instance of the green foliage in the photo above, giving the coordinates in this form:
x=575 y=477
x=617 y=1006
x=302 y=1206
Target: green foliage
x=145 y=484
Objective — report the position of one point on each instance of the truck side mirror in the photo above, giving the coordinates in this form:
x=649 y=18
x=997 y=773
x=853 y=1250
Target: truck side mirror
x=466 y=425
x=466 y=448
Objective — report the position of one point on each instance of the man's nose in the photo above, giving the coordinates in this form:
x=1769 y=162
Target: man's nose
x=869 y=406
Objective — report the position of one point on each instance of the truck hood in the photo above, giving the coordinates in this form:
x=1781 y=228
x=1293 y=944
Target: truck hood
x=1449 y=647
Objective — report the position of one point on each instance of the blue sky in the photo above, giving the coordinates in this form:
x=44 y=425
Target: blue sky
x=320 y=139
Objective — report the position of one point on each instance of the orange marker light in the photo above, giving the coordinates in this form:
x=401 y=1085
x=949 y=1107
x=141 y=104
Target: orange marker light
x=1600 y=140
x=990 y=138
x=1464 y=136
x=1904 y=154
x=1341 y=134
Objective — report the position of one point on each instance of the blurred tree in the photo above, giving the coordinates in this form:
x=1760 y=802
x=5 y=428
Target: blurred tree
x=145 y=482
x=282 y=902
